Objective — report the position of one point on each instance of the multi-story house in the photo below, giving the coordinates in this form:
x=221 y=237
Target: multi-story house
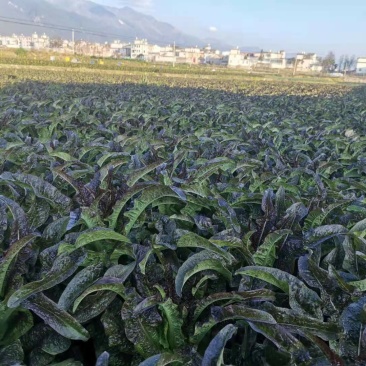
x=361 y=66
x=236 y=58
x=139 y=49
x=273 y=60
x=27 y=42
x=306 y=62
x=193 y=55
x=40 y=42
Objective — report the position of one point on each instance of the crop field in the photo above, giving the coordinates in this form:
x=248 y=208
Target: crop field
x=181 y=221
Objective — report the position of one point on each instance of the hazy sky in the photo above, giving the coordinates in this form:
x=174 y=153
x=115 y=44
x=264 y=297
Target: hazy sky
x=293 y=25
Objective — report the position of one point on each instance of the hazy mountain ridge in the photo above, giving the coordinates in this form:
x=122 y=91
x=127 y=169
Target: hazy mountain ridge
x=119 y=23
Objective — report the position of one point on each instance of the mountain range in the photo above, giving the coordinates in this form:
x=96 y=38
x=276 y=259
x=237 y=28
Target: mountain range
x=100 y=23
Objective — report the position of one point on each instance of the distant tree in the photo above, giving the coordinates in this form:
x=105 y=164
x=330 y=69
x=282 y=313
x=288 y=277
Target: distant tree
x=56 y=42
x=349 y=63
x=352 y=62
x=345 y=63
x=329 y=63
x=21 y=52
x=341 y=62
x=261 y=56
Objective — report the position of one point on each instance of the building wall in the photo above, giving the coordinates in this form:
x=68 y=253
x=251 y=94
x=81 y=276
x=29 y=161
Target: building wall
x=361 y=66
x=273 y=60
x=309 y=62
x=139 y=47
x=27 y=42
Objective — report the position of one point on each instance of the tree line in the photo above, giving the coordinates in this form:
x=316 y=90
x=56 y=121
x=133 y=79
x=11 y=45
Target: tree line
x=345 y=63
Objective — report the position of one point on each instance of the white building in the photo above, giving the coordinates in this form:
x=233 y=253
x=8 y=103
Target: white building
x=273 y=60
x=117 y=45
x=235 y=58
x=361 y=66
x=308 y=62
x=139 y=49
x=27 y=42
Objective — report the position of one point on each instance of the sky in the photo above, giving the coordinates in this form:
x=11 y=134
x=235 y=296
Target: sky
x=293 y=25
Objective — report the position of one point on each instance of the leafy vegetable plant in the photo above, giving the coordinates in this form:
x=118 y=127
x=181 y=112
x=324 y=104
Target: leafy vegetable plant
x=151 y=225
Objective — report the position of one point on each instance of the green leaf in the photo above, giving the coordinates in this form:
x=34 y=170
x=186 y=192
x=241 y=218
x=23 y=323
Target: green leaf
x=212 y=167
x=39 y=357
x=282 y=339
x=143 y=262
x=192 y=240
x=62 y=155
x=201 y=261
x=294 y=214
x=113 y=165
x=198 y=289
x=322 y=233
x=98 y=234
x=291 y=319
x=233 y=297
x=174 y=323
x=80 y=282
x=20 y=218
x=14 y=323
x=12 y=355
x=214 y=354
x=305 y=301
x=343 y=285
x=273 y=276
x=62 y=322
x=64 y=266
x=359 y=226
x=149 y=195
x=41 y=189
x=140 y=173
x=243 y=312
x=230 y=313
x=319 y=219
x=106 y=156
x=119 y=205
x=266 y=253
x=353 y=321
x=103 y=284
x=280 y=204
x=94 y=305
x=10 y=256
x=39 y=213
x=141 y=330
x=359 y=285
x=106 y=289
x=55 y=344
x=56 y=229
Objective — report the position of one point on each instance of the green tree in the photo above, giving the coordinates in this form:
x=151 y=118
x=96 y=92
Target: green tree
x=21 y=52
x=341 y=62
x=328 y=62
x=56 y=42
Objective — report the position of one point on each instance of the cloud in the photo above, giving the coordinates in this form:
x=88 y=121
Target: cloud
x=212 y=29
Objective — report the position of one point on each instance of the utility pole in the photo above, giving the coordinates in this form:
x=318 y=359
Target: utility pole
x=174 y=55
x=295 y=67
x=73 y=41
x=297 y=59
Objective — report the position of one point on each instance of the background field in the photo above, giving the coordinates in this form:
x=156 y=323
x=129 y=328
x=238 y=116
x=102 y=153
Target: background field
x=36 y=59
x=180 y=218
